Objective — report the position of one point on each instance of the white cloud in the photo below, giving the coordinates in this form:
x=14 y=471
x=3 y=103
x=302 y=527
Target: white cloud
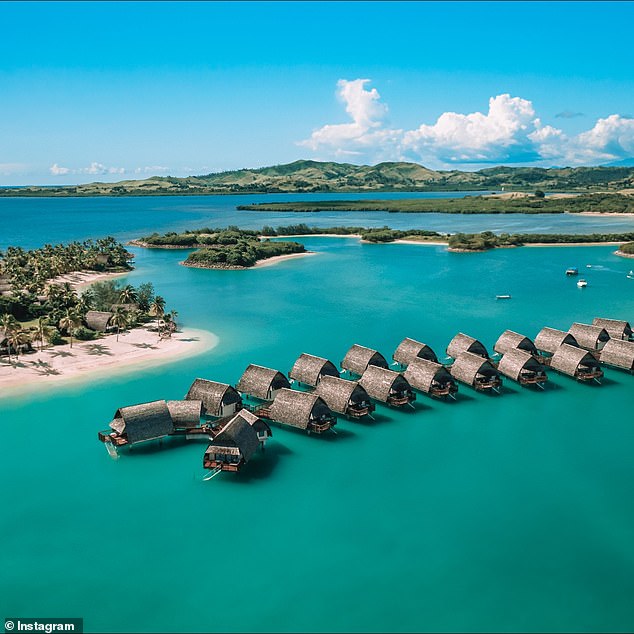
x=100 y=168
x=151 y=169
x=57 y=170
x=613 y=135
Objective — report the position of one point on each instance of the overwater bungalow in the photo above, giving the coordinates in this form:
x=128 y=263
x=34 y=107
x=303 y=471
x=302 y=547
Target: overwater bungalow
x=233 y=446
x=410 y=349
x=262 y=383
x=476 y=372
x=304 y=410
x=521 y=366
x=185 y=414
x=387 y=386
x=218 y=399
x=309 y=369
x=98 y=320
x=359 y=358
x=345 y=397
x=548 y=340
x=430 y=377
x=591 y=338
x=617 y=329
x=619 y=354
x=464 y=343
x=261 y=427
x=576 y=362
x=510 y=340
x=139 y=423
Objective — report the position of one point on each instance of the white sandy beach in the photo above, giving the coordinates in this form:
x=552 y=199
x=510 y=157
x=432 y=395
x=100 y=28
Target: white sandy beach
x=604 y=214
x=81 y=279
x=281 y=258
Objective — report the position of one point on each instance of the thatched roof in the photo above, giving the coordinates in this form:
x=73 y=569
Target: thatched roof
x=255 y=421
x=358 y=358
x=5 y=284
x=589 y=337
x=468 y=365
x=515 y=361
x=410 y=349
x=464 y=343
x=379 y=382
x=237 y=437
x=616 y=328
x=421 y=373
x=567 y=359
x=339 y=393
x=98 y=320
x=257 y=380
x=298 y=408
x=619 y=353
x=510 y=340
x=549 y=339
x=309 y=369
x=143 y=422
x=185 y=413
x=213 y=395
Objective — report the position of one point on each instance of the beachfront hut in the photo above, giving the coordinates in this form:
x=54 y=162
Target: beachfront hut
x=304 y=410
x=576 y=362
x=410 y=349
x=521 y=366
x=475 y=371
x=616 y=328
x=261 y=427
x=233 y=446
x=510 y=340
x=185 y=414
x=345 y=397
x=98 y=320
x=309 y=369
x=430 y=377
x=139 y=423
x=262 y=383
x=464 y=343
x=589 y=337
x=387 y=386
x=619 y=353
x=359 y=358
x=548 y=340
x=218 y=399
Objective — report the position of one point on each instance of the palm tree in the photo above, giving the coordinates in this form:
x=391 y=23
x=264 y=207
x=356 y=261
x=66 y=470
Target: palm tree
x=128 y=295
x=158 y=310
x=170 y=320
x=17 y=339
x=119 y=319
x=69 y=322
x=9 y=324
x=42 y=327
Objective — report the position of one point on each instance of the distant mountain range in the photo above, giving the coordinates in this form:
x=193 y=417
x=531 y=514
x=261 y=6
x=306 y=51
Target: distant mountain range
x=315 y=176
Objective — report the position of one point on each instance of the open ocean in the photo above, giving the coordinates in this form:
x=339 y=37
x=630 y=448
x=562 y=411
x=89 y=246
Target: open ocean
x=509 y=513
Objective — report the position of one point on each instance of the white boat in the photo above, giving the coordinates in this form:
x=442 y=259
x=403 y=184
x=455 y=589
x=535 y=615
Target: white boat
x=502 y=297
x=582 y=283
x=630 y=275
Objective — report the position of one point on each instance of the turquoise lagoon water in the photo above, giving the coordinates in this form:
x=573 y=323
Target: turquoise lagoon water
x=509 y=513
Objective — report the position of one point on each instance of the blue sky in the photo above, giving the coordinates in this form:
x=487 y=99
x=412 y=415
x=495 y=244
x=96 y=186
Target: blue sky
x=115 y=90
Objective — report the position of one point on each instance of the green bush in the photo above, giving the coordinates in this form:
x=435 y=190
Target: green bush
x=84 y=334
x=627 y=248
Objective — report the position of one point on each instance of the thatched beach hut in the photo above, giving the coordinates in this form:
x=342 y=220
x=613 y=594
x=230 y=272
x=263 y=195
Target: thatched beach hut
x=304 y=410
x=576 y=362
x=262 y=383
x=5 y=285
x=619 y=353
x=464 y=343
x=359 y=358
x=617 y=329
x=233 y=446
x=218 y=399
x=345 y=397
x=139 y=423
x=98 y=320
x=521 y=366
x=548 y=340
x=309 y=369
x=589 y=337
x=431 y=378
x=185 y=414
x=510 y=340
x=410 y=349
x=476 y=372
x=261 y=427
x=387 y=386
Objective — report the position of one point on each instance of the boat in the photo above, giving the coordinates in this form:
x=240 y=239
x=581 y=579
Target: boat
x=573 y=270
x=502 y=297
x=582 y=283
x=630 y=275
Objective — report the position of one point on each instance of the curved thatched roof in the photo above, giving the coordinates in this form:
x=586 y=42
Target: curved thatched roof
x=339 y=393
x=185 y=413
x=421 y=373
x=97 y=320
x=255 y=421
x=298 y=408
x=619 y=353
x=237 y=437
x=515 y=361
x=616 y=328
x=567 y=359
x=589 y=337
x=309 y=369
x=358 y=358
x=379 y=382
x=510 y=340
x=468 y=365
x=549 y=339
x=464 y=343
x=258 y=380
x=5 y=284
x=213 y=395
x=143 y=422
x=410 y=349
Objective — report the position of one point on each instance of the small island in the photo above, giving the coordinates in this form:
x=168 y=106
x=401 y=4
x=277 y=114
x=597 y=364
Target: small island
x=626 y=250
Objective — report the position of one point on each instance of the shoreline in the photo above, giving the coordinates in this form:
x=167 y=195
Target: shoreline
x=276 y=259
x=607 y=214
x=624 y=255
